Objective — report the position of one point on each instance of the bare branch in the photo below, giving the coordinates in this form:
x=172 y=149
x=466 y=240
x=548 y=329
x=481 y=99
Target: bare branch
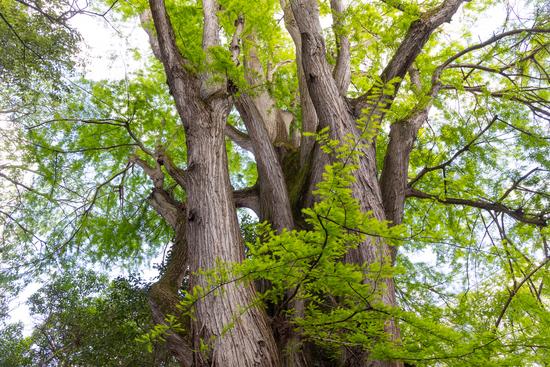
x=167 y=207
x=235 y=47
x=495 y=38
x=517 y=182
x=154 y=173
x=179 y=175
x=516 y=289
x=247 y=198
x=145 y=19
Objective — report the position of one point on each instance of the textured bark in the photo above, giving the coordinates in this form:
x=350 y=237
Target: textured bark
x=333 y=112
x=309 y=116
x=274 y=200
x=211 y=229
x=342 y=73
x=394 y=178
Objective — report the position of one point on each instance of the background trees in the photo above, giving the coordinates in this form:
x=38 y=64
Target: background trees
x=418 y=140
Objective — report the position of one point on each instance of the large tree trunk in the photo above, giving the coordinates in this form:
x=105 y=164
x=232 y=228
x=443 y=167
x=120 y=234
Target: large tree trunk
x=237 y=334
x=213 y=231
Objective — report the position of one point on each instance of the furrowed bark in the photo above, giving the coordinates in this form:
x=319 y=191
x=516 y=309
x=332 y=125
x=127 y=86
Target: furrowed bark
x=164 y=294
x=394 y=178
x=342 y=71
x=309 y=116
x=259 y=113
x=403 y=133
x=237 y=333
x=274 y=200
x=265 y=126
x=266 y=111
x=333 y=112
x=213 y=227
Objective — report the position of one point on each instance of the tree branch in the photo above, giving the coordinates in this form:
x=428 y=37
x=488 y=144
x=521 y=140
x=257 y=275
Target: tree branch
x=342 y=71
x=437 y=73
x=418 y=34
x=517 y=214
x=516 y=289
x=179 y=175
x=238 y=137
x=247 y=198
x=183 y=86
x=454 y=156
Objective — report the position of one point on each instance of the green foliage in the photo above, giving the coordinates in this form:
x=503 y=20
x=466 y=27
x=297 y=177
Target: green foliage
x=85 y=320
x=36 y=53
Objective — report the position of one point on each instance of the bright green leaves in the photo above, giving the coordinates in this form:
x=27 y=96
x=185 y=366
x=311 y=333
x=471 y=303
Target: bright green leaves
x=85 y=179
x=158 y=333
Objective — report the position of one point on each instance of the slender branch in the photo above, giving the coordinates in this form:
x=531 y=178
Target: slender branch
x=443 y=165
x=516 y=289
x=517 y=182
x=495 y=38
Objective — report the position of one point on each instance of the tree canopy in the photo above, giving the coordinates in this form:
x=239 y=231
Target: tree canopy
x=350 y=183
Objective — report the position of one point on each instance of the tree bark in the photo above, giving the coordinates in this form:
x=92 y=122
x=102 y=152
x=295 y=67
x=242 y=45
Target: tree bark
x=237 y=333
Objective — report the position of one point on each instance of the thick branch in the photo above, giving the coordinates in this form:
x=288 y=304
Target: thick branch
x=167 y=207
x=154 y=173
x=393 y=180
x=183 y=86
x=179 y=175
x=210 y=33
x=210 y=38
x=145 y=19
x=247 y=198
x=164 y=294
x=342 y=71
x=309 y=115
x=274 y=199
x=238 y=137
x=517 y=214
x=418 y=34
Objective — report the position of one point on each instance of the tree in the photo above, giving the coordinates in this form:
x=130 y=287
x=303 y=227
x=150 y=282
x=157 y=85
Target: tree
x=441 y=141
x=84 y=320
